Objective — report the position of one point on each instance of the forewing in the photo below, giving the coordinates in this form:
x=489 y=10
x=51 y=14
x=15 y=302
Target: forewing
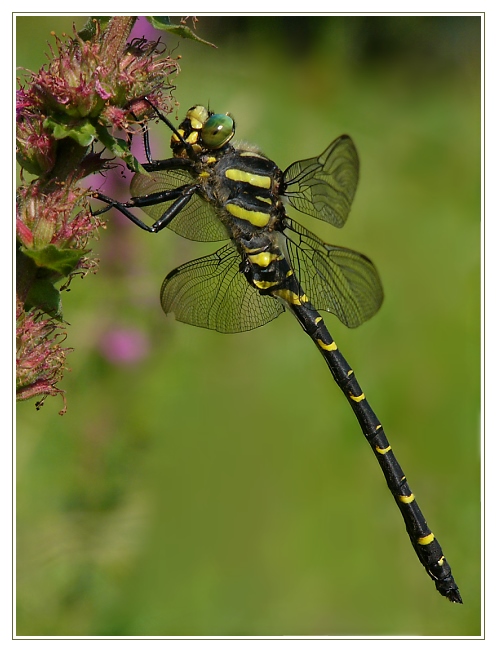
x=324 y=187
x=211 y=292
x=197 y=221
x=338 y=280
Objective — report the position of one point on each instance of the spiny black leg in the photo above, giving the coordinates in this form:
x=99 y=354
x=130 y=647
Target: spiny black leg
x=163 y=118
x=146 y=145
x=122 y=208
x=181 y=196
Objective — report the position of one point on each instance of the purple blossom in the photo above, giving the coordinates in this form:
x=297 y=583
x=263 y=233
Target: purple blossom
x=124 y=345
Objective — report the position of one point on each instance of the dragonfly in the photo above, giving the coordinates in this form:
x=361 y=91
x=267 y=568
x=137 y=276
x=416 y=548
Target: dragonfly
x=211 y=190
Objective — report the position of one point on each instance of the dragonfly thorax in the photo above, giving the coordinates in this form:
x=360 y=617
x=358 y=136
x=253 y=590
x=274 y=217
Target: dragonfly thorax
x=245 y=187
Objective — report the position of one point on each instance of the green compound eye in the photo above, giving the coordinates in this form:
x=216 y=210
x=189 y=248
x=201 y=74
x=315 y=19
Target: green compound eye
x=218 y=130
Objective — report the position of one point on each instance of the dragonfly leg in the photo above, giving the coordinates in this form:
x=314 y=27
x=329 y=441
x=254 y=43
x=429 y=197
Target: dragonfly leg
x=181 y=196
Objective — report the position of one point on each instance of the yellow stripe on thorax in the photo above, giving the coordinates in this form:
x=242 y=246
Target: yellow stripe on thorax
x=250 y=153
x=256 y=218
x=248 y=177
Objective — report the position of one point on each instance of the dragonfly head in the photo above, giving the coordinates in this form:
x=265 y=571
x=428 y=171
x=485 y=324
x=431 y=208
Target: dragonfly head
x=202 y=130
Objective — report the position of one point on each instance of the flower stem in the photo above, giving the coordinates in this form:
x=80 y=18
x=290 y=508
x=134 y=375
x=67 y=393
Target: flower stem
x=115 y=38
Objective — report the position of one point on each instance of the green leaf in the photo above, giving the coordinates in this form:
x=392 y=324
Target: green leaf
x=59 y=261
x=29 y=165
x=82 y=131
x=160 y=22
x=183 y=31
x=46 y=297
x=119 y=148
x=89 y=30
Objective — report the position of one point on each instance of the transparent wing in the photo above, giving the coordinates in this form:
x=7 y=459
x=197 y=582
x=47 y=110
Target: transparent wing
x=338 y=280
x=324 y=187
x=211 y=292
x=197 y=221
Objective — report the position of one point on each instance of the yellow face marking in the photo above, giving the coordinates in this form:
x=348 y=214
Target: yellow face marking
x=289 y=297
x=253 y=179
x=192 y=138
x=254 y=217
x=198 y=115
x=383 y=451
x=327 y=347
x=406 y=499
x=424 y=541
x=264 y=259
x=357 y=399
x=263 y=285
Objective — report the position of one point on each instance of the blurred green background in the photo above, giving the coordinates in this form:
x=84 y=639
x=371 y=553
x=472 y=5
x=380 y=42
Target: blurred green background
x=219 y=485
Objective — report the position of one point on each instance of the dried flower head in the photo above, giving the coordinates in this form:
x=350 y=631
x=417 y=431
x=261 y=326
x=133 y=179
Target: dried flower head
x=93 y=87
x=40 y=356
x=61 y=217
x=36 y=146
x=98 y=79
